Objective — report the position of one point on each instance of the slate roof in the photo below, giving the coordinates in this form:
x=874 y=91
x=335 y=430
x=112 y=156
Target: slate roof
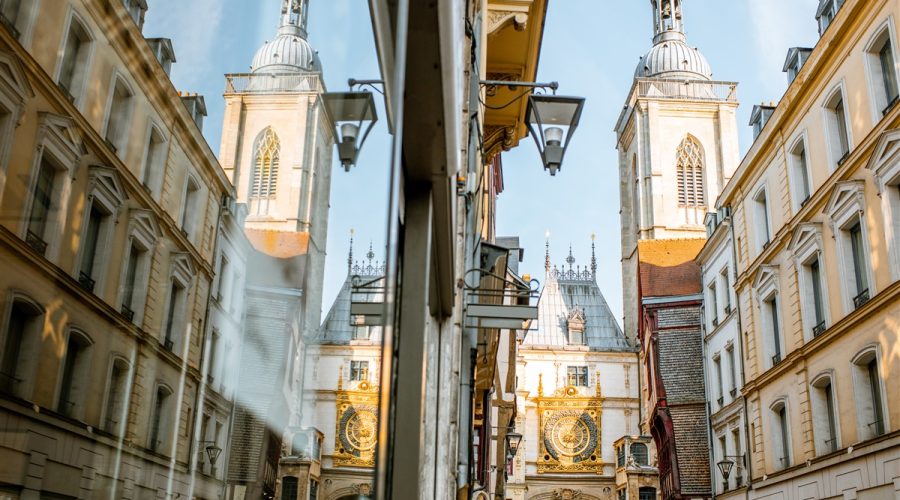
x=569 y=292
x=336 y=329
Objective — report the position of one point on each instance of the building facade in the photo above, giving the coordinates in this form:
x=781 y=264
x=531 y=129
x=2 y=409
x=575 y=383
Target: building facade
x=815 y=221
x=112 y=224
x=577 y=388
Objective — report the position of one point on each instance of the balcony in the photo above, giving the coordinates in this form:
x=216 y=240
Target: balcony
x=819 y=329
x=861 y=299
x=776 y=359
x=86 y=282
x=715 y=322
x=169 y=344
x=36 y=243
x=271 y=83
x=690 y=90
x=733 y=392
x=727 y=309
x=721 y=401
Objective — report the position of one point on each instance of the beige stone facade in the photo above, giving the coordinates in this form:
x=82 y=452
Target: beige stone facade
x=815 y=223
x=111 y=214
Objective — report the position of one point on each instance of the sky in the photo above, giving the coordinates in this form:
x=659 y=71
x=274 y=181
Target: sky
x=591 y=47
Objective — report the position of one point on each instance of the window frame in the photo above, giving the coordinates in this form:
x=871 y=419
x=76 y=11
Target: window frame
x=65 y=150
x=181 y=275
x=77 y=95
x=577 y=375
x=83 y=373
x=781 y=438
x=106 y=192
x=151 y=178
x=838 y=93
x=807 y=246
x=820 y=403
x=885 y=167
x=862 y=389
x=163 y=414
x=105 y=416
x=26 y=389
x=845 y=208
x=144 y=233
x=767 y=289
x=762 y=210
x=121 y=138
x=191 y=200
x=15 y=90
x=881 y=103
x=799 y=168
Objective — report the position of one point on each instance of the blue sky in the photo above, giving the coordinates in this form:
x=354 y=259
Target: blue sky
x=590 y=46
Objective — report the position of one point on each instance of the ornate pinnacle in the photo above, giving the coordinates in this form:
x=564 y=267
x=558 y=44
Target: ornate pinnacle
x=540 y=385
x=571 y=258
x=370 y=254
x=593 y=256
x=350 y=255
x=547 y=252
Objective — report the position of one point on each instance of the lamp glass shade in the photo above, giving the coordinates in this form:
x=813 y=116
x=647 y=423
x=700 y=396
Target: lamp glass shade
x=725 y=467
x=213 y=453
x=351 y=114
x=513 y=439
x=552 y=121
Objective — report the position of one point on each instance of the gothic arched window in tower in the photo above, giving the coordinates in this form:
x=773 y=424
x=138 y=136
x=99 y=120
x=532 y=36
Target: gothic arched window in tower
x=689 y=167
x=264 y=182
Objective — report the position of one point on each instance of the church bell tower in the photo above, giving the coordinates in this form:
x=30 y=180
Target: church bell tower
x=677 y=142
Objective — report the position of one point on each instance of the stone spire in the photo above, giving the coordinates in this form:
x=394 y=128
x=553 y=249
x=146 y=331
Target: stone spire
x=350 y=256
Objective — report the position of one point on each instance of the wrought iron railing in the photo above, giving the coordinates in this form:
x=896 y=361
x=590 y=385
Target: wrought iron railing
x=686 y=89
x=127 y=313
x=169 y=344
x=776 y=359
x=36 y=243
x=270 y=83
x=861 y=299
x=86 y=281
x=819 y=329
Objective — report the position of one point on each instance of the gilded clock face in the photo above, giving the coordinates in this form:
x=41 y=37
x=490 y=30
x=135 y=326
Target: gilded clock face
x=358 y=428
x=571 y=435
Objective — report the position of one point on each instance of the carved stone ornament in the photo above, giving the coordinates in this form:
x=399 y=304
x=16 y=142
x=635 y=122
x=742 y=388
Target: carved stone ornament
x=570 y=436
x=567 y=494
x=498 y=19
x=356 y=426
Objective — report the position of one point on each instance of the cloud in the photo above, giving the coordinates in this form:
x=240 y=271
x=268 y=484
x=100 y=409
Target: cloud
x=776 y=29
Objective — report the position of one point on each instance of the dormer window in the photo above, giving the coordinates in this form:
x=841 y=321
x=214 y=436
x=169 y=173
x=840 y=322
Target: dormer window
x=796 y=58
x=575 y=322
x=165 y=54
x=136 y=9
x=828 y=10
x=759 y=117
x=196 y=106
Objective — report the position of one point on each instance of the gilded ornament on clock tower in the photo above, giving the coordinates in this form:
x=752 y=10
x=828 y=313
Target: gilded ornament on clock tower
x=569 y=430
x=356 y=425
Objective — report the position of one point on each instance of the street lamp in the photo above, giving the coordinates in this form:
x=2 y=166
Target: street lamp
x=213 y=452
x=552 y=120
x=727 y=464
x=513 y=439
x=351 y=113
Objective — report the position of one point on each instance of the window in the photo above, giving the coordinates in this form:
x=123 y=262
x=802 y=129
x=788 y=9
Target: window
x=9 y=10
x=119 y=116
x=646 y=493
x=74 y=376
x=726 y=290
x=96 y=220
x=796 y=58
x=774 y=327
x=165 y=54
x=635 y=195
x=827 y=11
x=313 y=490
x=815 y=283
x=160 y=420
x=21 y=344
x=143 y=234
x=824 y=415
x=761 y=216
x=42 y=206
x=869 y=389
x=360 y=333
x=264 y=180
x=135 y=255
x=213 y=369
x=689 y=171
x=802 y=187
x=359 y=371
x=882 y=71
x=837 y=127
x=116 y=397
x=136 y=9
x=154 y=160
x=289 y=488
x=73 y=67
x=732 y=369
x=738 y=452
x=578 y=376
x=223 y=275
x=759 y=117
x=713 y=305
x=639 y=454
x=717 y=363
x=620 y=456
x=189 y=211
x=173 y=314
x=781 y=439
x=859 y=262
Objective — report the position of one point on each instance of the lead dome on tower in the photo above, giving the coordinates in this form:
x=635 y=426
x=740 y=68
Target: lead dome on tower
x=671 y=57
x=289 y=52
